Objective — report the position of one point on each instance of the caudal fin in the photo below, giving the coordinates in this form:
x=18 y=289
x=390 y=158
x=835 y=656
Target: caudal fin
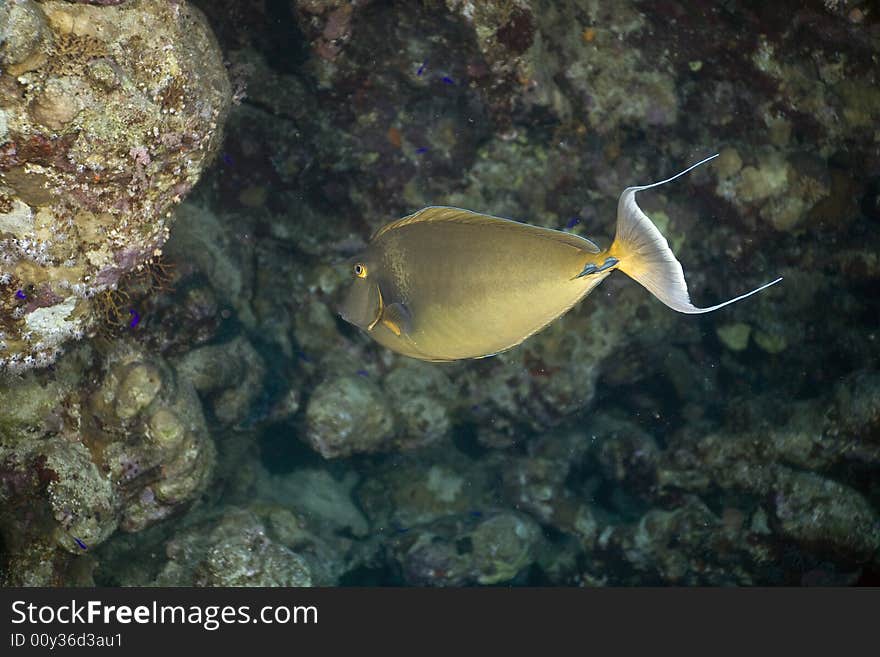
x=645 y=255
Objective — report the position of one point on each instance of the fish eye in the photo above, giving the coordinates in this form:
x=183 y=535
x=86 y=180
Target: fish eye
x=360 y=270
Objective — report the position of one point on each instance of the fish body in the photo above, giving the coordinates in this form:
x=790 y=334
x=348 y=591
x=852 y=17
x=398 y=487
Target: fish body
x=468 y=285
x=447 y=284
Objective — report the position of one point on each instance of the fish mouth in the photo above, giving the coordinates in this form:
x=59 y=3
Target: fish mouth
x=348 y=317
x=359 y=309
x=344 y=311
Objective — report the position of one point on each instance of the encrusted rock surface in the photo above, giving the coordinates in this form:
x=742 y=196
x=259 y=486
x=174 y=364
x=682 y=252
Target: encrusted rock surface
x=108 y=115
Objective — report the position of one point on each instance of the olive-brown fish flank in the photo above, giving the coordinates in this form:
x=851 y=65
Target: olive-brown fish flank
x=474 y=284
x=446 y=284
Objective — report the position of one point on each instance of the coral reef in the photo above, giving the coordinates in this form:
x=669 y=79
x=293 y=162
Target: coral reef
x=79 y=462
x=234 y=550
x=469 y=550
x=241 y=434
x=109 y=115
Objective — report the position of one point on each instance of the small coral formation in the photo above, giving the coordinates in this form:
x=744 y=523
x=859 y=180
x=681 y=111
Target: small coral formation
x=233 y=370
x=562 y=57
x=347 y=415
x=79 y=462
x=162 y=452
x=781 y=190
x=108 y=114
x=350 y=414
x=327 y=23
x=468 y=550
x=234 y=550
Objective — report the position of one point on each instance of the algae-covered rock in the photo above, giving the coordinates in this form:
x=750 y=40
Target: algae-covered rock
x=825 y=515
x=423 y=399
x=110 y=112
x=159 y=446
x=734 y=336
x=233 y=370
x=234 y=551
x=536 y=482
x=101 y=443
x=137 y=390
x=469 y=549
x=423 y=487
x=772 y=343
x=348 y=415
x=688 y=545
x=857 y=402
x=23 y=31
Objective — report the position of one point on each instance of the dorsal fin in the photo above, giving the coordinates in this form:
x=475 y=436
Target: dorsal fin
x=435 y=213
x=443 y=213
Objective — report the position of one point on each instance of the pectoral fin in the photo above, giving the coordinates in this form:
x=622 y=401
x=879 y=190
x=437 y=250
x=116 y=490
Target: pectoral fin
x=397 y=319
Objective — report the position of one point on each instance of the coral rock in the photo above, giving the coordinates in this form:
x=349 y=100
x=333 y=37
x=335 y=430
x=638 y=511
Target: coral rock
x=109 y=114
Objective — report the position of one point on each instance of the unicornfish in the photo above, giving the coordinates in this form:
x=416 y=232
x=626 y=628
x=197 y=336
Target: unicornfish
x=446 y=284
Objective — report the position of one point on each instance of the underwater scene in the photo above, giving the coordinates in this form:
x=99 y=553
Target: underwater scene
x=265 y=319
